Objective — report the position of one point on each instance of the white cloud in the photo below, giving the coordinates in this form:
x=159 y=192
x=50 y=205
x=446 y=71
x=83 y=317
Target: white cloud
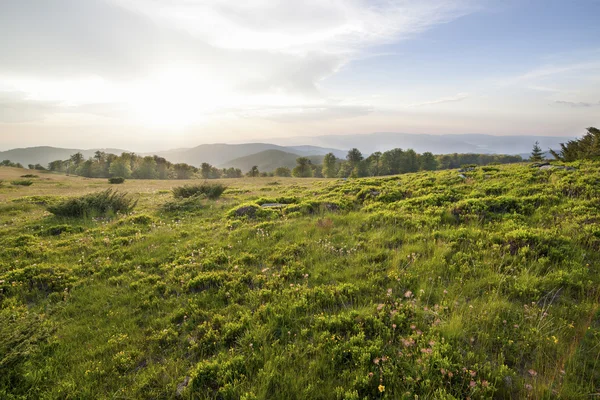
x=442 y=100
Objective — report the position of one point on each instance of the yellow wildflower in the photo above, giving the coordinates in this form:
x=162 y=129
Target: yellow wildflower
x=381 y=388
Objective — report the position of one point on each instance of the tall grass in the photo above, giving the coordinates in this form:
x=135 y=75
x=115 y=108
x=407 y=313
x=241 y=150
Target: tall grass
x=103 y=203
x=210 y=190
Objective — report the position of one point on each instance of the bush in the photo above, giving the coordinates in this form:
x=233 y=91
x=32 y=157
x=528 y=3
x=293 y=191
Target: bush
x=29 y=176
x=116 y=180
x=94 y=204
x=22 y=182
x=210 y=190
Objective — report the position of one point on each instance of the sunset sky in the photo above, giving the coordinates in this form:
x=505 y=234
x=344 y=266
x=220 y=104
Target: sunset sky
x=151 y=74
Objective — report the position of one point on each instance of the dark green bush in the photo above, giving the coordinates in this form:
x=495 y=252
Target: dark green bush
x=210 y=190
x=94 y=204
x=22 y=182
x=29 y=176
x=115 y=180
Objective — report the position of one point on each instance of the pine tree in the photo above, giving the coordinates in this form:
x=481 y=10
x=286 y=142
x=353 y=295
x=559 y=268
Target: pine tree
x=536 y=154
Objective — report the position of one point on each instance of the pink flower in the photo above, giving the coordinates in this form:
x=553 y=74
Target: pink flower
x=485 y=383
x=472 y=384
x=408 y=294
x=528 y=387
x=380 y=307
x=532 y=372
x=393 y=326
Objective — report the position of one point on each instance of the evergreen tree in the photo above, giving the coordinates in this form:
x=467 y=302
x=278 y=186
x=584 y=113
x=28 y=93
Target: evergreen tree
x=536 y=154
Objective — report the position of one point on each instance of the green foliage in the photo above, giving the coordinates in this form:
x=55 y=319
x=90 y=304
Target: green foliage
x=30 y=176
x=116 y=180
x=427 y=285
x=22 y=182
x=210 y=190
x=536 y=153
x=94 y=205
x=586 y=148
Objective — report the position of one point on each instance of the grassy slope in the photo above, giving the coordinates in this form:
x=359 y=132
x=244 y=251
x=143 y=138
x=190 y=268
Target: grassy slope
x=421 y=284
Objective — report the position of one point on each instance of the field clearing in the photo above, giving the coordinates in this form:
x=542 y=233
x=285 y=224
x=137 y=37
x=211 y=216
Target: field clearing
x=439 y=285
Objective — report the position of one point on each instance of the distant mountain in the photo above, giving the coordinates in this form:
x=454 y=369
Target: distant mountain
x=45 y=154
x=437 y=144
x=219 y=153
x=268 y=160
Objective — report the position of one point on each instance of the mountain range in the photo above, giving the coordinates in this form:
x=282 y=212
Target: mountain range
x=284 y=151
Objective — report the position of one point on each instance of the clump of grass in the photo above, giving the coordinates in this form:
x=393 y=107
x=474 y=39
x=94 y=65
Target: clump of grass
x=94 y=204
x=29 y=176
x=210 y=190
x=115 y=180
x=22 y=182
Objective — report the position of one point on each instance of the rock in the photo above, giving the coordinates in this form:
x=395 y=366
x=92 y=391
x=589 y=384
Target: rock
x=182 y=385
x=247 y=211
x=462 y=176
x=546 y=167
x=569 y=168
x=273 y=205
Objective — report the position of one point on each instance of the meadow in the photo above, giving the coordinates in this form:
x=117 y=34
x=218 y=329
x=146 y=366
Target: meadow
x=431 y=285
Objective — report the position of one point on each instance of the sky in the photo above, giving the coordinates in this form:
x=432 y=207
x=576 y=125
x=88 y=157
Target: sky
x=157 y=74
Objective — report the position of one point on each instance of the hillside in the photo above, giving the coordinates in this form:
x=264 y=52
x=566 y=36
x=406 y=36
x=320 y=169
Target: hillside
x=45 y=154
x=434 y=285
x=268 y=161
x=437 y=144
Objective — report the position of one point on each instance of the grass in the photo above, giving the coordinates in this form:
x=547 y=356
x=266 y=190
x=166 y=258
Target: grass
x=423 y=284
x=209 y=190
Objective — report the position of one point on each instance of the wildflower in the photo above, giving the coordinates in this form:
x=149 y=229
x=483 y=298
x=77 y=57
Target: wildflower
x=450 y=374
x=528 y=387
x=413 y=327
x=376 y=361
x=370 y=374
x=472 y=384
x=380 y=307
x=408 y=294
x=389 y=292
x=485 y=383
x=532 y=372
x=381 y=388
x=443 y=371
x=445 y=291
x=393 y=326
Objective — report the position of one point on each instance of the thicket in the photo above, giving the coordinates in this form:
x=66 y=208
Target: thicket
x=116 y=180
x=105 y=203
x=210 y=190
x=22 y=182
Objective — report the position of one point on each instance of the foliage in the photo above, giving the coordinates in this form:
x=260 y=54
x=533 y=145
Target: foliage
x=22 y=182
x=96 y=204
x=116 y=180
x=586 y=148
x=536 y=153
x=437 y=284
x=210 y=190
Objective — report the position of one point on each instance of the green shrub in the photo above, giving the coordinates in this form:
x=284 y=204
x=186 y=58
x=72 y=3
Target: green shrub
x=115 y=180
x=29 y=176
x=94 y=204
x=22 y=182
x=210 y=190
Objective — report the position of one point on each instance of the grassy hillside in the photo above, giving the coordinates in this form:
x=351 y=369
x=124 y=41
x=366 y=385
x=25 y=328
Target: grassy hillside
x=268 y=160
x=432 y=284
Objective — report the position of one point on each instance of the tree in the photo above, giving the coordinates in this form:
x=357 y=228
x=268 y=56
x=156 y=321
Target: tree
x=57 y=166
x=183 y=171
x=536 y=154
x=146 y=169
x=253 y=173
x=283 y=172
x=303 y=168
x=205 y=170
x=329 y=166
x=119 y=168
x=428 y=162
x=588 y=147
x=374 y=163
x=354 y=156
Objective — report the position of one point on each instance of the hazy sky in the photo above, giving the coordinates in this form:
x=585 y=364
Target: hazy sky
x=150 y=74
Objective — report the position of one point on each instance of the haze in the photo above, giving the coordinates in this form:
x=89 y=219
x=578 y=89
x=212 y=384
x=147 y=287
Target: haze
x=150 y=74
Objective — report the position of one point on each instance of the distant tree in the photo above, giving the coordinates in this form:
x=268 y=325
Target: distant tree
x=85 y=168
x=330 y=169
x=303 y=168
x=588 y=147
x=354 y=156
x=57 y=166
x=409 y=161
x=205 y=170
x=31 y=166
x=374 y=164
x=254 y=172
x=146 y=169
x=99 y=156
x=183 y=171
x=536 y=153
x=428 y=162
x=232 y=172
x=119 y=168
x=283 y=172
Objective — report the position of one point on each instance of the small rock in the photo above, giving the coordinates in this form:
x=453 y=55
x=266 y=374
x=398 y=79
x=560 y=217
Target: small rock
x=546 y=167
x=272 y=205
x=462 y=176
x=182 y=385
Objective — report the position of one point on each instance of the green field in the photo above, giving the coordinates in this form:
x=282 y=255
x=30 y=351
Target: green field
x=431 y=285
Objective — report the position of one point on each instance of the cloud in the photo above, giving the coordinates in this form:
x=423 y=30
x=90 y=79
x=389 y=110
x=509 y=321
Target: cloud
x=451 y=99
x=580 y=104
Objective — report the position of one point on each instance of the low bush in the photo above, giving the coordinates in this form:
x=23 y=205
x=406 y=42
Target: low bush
x=94 y=204
x=115 y=180
x=29 y=176
x=22 y=182
x=210 y=190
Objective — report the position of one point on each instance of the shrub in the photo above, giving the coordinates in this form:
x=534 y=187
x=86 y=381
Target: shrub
x=94 y=204
x=23 y=182
x=29 y=176
x=210 y=190
x=116 y=180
